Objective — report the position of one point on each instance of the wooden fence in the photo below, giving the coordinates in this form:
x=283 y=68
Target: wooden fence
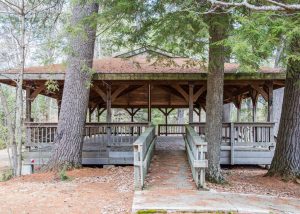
x=143 y=149
x=196 y=149
x=37 y=133
x=104 y=143
x=242 y=143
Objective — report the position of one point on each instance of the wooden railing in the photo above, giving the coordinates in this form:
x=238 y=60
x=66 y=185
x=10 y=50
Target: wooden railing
x=242 y=132
x=143 y=149
x=44 y=133
x=242 y=143
x=171 y=129
x=196 y=150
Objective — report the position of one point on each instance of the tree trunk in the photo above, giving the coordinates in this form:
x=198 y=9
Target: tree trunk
x=277 y=107
x=67 y=151
x=226 y=113
x=10 y=126
x=180 y=116
x=286 y=161
x=218 y=25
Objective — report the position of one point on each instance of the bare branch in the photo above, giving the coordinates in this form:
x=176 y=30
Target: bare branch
x=275 y=7
x=11 y=6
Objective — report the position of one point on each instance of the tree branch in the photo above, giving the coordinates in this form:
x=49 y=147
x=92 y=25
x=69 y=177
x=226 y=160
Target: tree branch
x=276 y=7
x=11 y=6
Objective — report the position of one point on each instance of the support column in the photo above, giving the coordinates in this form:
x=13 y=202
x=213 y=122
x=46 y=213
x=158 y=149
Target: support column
x=191 y=103
x=270 y=101
x=254 y=113
x=149 y=103
x=132 y=115
x=108 y=113
x=237 y=103
x=226 y=113
x=90 y=114
x=58 y=107
x=166 y=113
x=200 y=113
x=108 y=104
x=254 y=97
x=238 y=116
x=98 y=114
x=28 y=105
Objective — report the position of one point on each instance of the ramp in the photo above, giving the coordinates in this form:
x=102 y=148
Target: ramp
x=169 y=169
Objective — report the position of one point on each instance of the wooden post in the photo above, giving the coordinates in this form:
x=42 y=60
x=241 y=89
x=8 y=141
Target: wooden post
x=199 y=114
x=149 y=103
x=238 y=114
x=58 y=107
x=108 y=104
x=108 y=114
x=226 y=113
x=270 y=101
x=254 y=112
x=98 y=114
x=237 y=103
x=132 y=115
x=191 y=103
x=232 y=132
x=28 y=105
x=90 y=114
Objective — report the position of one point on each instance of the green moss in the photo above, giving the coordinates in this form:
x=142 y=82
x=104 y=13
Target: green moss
x=151 y=211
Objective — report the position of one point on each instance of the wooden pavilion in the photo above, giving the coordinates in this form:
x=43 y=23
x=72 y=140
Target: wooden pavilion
x=133 y=81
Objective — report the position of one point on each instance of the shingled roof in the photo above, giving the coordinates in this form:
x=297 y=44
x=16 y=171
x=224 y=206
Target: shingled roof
x=140 y=65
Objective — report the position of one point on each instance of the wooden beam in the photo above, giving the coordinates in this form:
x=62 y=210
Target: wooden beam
x=191 y=103
x=171 y=90
x=28 y=105
x=118 y=91
x=58 y=107
x=261 y=91
x=270 y=101
x=200 y=92
x=181 y=91
x=37 y=91
x=108 y=104
x=197 y=111
x=149 y=103
x=130 y=89
x=100 y=92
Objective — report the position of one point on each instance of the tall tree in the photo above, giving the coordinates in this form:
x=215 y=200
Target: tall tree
x=286 y=161
x=279 y=20
x=69 y=137
x=218 y=23
x=23 y=15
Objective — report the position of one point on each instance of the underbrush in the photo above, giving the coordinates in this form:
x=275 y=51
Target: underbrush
x=6 y=175
x=2 y=144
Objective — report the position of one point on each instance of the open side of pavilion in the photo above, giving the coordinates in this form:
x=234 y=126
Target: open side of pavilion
x=134 y=81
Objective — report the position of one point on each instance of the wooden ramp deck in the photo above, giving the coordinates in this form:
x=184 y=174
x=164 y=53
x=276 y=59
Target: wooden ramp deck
x=169 y=167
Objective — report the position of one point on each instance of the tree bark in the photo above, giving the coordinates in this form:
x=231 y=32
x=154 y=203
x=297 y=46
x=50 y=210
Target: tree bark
x=180 y=116
x=277 y=107
x=286 y=161
x=67 y=150
x=226 y=113
x=218 y=25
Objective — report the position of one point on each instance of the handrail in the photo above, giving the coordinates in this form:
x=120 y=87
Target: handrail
x=52 y=124
x=143 y=149
x=196 y=152
x=43 y=133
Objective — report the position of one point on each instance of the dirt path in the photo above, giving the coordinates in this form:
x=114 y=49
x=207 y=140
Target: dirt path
x=252 y=179
x=105 y=191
